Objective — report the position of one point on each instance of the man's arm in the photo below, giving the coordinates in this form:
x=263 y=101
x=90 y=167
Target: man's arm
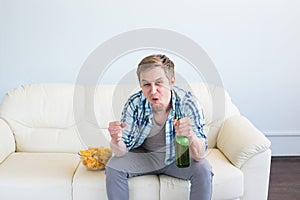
x=197 y=147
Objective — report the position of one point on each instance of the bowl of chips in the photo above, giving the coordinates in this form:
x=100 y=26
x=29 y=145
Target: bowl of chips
x=95 y=158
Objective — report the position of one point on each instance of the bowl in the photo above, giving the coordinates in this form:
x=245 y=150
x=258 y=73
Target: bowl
x=95 y=158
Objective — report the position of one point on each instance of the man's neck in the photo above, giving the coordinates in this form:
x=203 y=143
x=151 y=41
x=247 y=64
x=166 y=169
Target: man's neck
x=161 y=116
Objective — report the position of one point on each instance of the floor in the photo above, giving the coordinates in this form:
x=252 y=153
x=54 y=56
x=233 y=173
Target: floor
x=285 y=178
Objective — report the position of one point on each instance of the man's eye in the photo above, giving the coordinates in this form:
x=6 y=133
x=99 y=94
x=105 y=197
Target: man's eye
x=159 y=82
x=146 y=85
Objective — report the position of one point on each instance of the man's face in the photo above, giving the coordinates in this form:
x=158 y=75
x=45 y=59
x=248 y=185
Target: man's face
x=156 y=88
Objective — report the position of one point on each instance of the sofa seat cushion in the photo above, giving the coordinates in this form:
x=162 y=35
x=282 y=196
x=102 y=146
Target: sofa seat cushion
x=227 y=180
x=91 y=185
x=44 y=176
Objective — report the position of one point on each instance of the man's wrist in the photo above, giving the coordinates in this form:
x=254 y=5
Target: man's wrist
x=118 y=147
x=192 y=138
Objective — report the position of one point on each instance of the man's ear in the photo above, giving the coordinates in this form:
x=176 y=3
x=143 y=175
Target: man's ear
x=172 y=81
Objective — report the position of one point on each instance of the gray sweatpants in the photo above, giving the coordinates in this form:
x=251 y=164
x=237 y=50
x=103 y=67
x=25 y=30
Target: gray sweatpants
x=137 y=163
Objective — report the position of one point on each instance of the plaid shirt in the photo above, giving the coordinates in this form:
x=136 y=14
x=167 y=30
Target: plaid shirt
x=137 y=115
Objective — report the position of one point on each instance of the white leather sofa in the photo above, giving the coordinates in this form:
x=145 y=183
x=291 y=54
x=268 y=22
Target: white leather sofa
x=43 y=126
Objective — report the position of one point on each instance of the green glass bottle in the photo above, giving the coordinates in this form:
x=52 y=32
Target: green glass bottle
x=182 y=151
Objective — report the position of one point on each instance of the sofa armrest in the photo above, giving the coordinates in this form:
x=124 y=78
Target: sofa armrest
x=7 y=140
x=239 y=140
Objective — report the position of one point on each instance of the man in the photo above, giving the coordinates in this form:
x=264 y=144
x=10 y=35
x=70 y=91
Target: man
x=143 y=141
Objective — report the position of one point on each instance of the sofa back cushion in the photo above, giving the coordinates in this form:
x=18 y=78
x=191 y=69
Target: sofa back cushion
x=41 y=117
x=217 y=107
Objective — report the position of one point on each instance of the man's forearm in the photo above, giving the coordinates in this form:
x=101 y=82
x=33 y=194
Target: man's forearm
x=118 y=148
x=197 y=148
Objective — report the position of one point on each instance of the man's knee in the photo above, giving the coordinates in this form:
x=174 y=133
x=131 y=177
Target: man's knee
x=202 y=169
x=112 y=173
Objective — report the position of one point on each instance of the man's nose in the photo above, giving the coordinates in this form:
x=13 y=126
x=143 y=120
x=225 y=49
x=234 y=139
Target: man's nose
x=153 y=89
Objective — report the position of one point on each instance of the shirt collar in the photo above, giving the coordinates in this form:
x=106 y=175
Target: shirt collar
x=176 y=113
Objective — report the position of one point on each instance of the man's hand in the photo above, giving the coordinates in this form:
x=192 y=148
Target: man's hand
x=183 y=127
x=116 y=130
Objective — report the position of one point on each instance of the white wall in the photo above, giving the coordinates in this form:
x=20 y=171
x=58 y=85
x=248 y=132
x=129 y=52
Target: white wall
x=254 y=44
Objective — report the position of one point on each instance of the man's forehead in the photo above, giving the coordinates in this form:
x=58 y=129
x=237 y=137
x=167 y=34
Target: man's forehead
x=154 y=72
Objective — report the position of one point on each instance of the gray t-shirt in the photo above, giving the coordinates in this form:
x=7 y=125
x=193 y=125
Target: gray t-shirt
x=156 y=140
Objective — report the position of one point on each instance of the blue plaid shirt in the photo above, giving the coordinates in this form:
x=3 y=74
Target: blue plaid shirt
x=137 y=115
